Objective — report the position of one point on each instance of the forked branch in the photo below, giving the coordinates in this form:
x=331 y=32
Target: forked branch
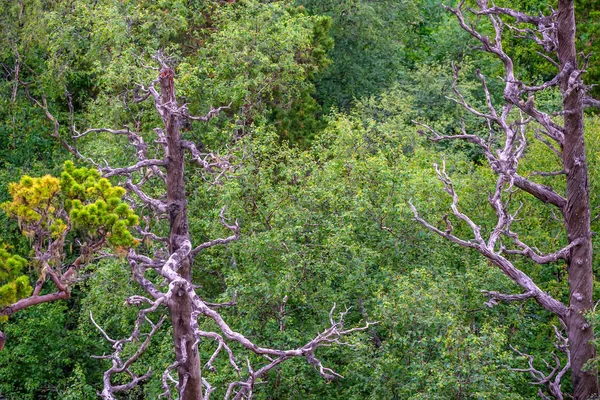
x=550 y=380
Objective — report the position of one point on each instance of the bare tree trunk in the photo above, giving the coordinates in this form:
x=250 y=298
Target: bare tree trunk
x=180 y=306
x=577 y=212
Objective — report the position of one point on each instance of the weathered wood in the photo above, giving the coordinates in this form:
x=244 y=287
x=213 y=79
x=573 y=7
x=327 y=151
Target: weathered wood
x=577 y=210
x=180 y=306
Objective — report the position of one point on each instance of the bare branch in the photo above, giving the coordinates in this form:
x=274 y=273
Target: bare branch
x=120 y=366
x=539 y=137
x=79 y=135
x=108 y=172
x=551 y=380
x=544 y=193
x=495 y=297
x=446 y=234
x=518 y=16
x=500 y=166
x=230 y=303
x=487 y=249
x=514 y=88
x=159 y=206
x=527 y=251
x=212 y=163
x=207 y=117
x=32 y=301
x=591 y=102
x=56 y=134
x=236 y=234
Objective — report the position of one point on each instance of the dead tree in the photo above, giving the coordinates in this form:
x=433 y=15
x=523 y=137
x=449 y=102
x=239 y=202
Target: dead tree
x=507 y=124
x=174 y=262
x=184 y=304
x=172 y=259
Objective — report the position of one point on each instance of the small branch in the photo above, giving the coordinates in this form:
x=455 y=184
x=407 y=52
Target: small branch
x=539 y=137
x=159 y=206
x=591 y=102
x=446 y=234
x=212 y=163
x=79 y=135
x=236 y=234
x=2 y=340
x=496 y=297
x=551 y=380
x=518 y=16
x=527 y=251
x=108 y=172
x=56 y=134
x=150 y=235
x=207 y=117
x=230 y=303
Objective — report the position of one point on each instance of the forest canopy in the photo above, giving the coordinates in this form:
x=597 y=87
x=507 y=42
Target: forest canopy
x=299 y=199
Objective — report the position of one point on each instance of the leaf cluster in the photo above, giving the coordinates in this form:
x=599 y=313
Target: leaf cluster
x=13 y=284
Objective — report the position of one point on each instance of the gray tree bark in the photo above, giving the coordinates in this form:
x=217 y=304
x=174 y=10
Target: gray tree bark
x=180 y=306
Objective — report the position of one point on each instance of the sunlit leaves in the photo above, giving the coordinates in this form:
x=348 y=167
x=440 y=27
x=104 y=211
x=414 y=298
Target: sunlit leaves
x=96 y=206
x=48 y=207
x=13 y=285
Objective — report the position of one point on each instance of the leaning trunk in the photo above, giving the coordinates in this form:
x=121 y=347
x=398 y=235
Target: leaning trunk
x=180 y=306
x=577 y=215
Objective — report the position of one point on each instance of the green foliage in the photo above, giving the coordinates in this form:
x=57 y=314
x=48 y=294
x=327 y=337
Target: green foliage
x=331 y=225
x=322 y=201
x=262 y=59
x=34 y=204
x=370 y=40
x=13 y=285
x=588 y=33
x=93 y=204
x=96 y=206
x=77 y=387
x=42 y=349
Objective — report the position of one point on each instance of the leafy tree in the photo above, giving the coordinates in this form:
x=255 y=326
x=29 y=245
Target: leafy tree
x=48 y=211
x=370 y=49
x=15 y=286
x=263 y=58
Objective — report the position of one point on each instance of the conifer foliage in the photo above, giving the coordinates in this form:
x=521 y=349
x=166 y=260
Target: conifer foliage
x=49 y=210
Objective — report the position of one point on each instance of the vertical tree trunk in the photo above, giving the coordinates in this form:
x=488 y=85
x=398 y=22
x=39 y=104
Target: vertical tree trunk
x=179 y=306
x=577 y=214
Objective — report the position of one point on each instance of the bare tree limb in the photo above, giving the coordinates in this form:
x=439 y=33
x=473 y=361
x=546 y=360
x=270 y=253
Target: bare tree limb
x=551 y=380
x=119 y=365
x=109 y=172
x=236 y=234
x=487 y=249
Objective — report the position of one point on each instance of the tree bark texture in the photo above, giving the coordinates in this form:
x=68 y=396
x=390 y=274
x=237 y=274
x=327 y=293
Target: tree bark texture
x=577 y=211
x=180 y=306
